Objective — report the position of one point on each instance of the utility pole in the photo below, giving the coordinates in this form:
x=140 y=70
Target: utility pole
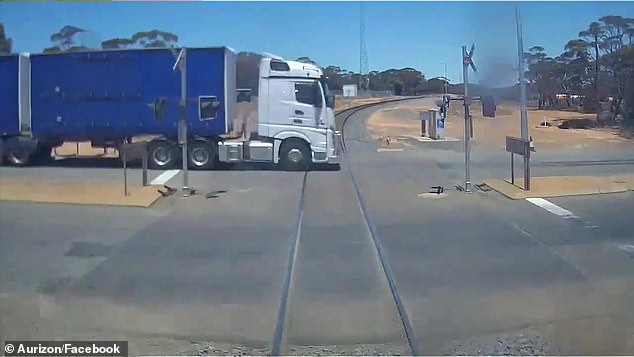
x=181 y=63
x=363 y=53
x=520 y=56
x=523 y=114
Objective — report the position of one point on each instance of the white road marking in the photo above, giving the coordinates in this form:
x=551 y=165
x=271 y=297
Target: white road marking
x=629 y=248
x=551 y=250
x=551 y=207
x=164 y=177
x=388 y=150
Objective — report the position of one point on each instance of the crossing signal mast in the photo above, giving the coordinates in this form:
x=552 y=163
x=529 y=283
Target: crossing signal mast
x=488 y=110
x=467 y=61
x=489 y=107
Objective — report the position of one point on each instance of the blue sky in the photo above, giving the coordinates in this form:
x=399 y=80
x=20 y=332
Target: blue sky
x=398 y=34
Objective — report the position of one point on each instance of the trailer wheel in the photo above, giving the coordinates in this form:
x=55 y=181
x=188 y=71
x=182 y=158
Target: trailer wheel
x=161 y=155
x=202 y=155
x=18 y=157
x=295 y=155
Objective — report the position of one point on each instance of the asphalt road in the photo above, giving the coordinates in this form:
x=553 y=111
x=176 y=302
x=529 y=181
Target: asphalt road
x=476 y=273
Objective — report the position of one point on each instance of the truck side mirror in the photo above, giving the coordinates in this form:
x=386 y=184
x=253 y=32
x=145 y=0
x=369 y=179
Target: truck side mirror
x=488 y=106
x=330 y=101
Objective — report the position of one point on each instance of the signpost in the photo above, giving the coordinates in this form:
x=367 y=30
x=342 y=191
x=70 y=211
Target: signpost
x=519 y=146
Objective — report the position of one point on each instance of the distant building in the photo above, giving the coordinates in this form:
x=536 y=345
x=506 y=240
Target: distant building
x=571 y=96
x=350 y=90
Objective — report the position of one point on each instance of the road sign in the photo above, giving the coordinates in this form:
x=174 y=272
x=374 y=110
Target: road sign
x=468 y=59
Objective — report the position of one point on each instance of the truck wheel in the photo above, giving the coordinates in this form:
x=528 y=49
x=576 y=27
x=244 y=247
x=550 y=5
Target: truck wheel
x=202 y=155
x=161 y=155
x=18 y=157
x=295 y=155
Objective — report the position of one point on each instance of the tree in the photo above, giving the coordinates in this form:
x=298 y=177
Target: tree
x=598 y=64
x=116 y=43
x=433 y=85
x=539 y=74
x=626 y=69
x=154 y=38
x=54 y=49
x=398 y=87
x=616 y=37
x=578 y=61
x=5 y=42
x=65 y=39
x=594 y=34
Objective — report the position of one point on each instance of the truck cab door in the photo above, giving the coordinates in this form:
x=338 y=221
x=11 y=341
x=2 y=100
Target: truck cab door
x=304 y=110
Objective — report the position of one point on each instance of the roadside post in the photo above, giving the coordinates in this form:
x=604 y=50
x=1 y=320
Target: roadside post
x=131 y=152
x=181 y=64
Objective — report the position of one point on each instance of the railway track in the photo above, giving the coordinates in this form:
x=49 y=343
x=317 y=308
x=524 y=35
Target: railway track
x=372 y=243
x=586 y=163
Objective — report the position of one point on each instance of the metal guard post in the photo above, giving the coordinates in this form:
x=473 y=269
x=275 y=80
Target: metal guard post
x=130 y=152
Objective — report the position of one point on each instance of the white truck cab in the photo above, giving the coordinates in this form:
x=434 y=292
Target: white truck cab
x=295 y=119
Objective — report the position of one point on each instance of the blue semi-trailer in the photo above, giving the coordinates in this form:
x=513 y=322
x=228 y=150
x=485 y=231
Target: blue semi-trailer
x=109 y=97
x=9 y=98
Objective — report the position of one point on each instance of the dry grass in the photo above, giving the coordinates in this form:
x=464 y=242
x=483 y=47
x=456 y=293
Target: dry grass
x=491 y=132
x=558 y=186
x=93 y=192
x=342 y=103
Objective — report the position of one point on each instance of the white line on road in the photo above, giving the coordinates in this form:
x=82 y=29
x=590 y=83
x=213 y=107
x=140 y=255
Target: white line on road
x=551 y=207
x=629 y=248
x=164 y=177
x=388 y=150
x=551 y=250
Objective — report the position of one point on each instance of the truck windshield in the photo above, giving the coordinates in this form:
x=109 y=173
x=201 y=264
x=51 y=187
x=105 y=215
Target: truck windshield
x=324 y=86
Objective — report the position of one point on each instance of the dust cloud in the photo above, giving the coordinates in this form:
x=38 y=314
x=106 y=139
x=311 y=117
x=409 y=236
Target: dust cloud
x=493 y=30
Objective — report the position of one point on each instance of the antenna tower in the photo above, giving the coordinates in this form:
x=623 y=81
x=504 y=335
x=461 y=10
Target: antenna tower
x=363 y=54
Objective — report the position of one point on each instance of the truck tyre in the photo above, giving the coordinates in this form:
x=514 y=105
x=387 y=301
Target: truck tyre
x=18 y=157
x=295 y=155
x=162 y=155
x=201 y=156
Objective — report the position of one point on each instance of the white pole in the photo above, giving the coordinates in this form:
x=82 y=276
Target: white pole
x=520 y=55
x=467 y=122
